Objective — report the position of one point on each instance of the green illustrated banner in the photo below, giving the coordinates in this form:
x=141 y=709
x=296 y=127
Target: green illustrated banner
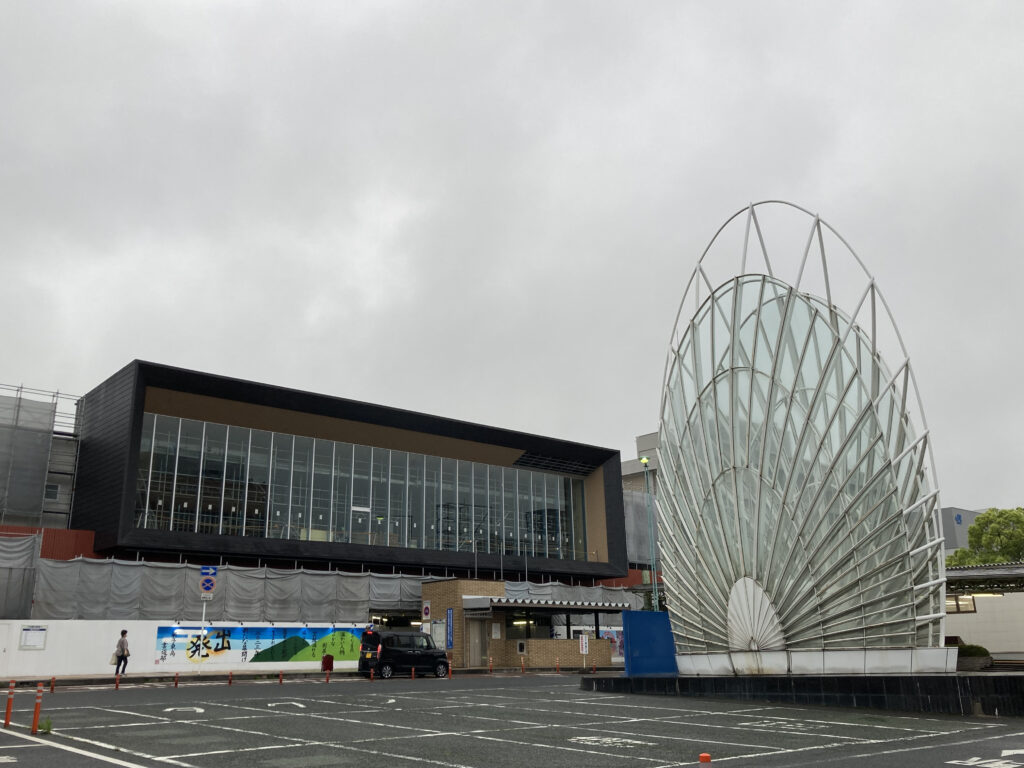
x=255 y=644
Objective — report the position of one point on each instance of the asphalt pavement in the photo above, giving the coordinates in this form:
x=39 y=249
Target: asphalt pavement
x=471 y=721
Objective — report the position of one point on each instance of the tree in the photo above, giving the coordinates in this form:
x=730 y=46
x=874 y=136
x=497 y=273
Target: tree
x=996 y=536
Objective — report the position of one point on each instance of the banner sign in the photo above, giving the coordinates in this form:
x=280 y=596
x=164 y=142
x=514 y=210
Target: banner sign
x=449 y=639
x=255 y=644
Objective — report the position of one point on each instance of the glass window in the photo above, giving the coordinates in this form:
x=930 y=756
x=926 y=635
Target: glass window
x=280 y=486
x=398 y=522
x=449 y=505
x=416 y=511
x=215 y=438
x=342 y=491
x=186 y=478
x=258 y=484
x=361 y=459
x=526 y=543
x=565 y=544
x=142 y=474
x=540 y=513
x=480 y=527
x=379 y=496
x=432 y=502
x=302 y=482
x=464 y=518
x=510 y=520
x=219 y=479
x=320 y=516
x=552 y=534
x=234 y=480
x=496 y=539
x=161 y=485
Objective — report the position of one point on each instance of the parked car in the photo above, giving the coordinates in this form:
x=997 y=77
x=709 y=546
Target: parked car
x=400 y=652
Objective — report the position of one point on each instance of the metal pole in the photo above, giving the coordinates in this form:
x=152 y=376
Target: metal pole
x=655 y=603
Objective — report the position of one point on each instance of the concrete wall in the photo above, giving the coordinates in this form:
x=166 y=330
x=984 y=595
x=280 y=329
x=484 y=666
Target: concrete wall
x=84 y=648
x=998 y=625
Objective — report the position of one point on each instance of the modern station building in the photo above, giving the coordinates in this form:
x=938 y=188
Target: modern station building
x=177 y=465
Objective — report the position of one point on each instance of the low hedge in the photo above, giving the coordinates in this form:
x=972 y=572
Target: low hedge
x=972 y=650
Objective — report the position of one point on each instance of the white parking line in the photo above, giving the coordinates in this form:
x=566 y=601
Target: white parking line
x=75 y=750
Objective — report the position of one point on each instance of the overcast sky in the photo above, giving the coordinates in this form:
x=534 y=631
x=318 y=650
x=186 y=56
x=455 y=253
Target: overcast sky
x=489 y=210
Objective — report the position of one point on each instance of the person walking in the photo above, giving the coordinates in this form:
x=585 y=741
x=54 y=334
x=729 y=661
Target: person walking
x=122 y=653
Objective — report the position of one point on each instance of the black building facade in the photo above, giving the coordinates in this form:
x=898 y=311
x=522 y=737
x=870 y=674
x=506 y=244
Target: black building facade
x=182 y=465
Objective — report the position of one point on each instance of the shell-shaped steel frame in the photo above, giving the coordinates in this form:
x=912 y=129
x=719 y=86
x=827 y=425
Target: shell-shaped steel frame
x=797 y=503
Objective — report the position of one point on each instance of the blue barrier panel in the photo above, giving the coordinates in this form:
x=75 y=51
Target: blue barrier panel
x=649 y=648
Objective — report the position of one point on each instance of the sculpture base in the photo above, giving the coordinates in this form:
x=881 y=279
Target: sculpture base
x=954 y=694
x=869 y=661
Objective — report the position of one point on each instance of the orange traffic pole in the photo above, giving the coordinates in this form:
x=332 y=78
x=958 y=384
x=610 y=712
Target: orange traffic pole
x=558 y=665
x=414 y=673
x=10 y=705
x=229 y=677
x=490 y=664
x=53 y=682
x=705 y=757
x=522 y=665
x=39 y=703
x=280 y=678
x=117 y=681
x=371 y=674
x=328 y=676
x=449 y=671
x=176 y=679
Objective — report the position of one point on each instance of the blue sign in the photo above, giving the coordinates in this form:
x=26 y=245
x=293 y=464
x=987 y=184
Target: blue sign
x=959 y=518
x=208 y=570
x=207 y=584
x=449 y=640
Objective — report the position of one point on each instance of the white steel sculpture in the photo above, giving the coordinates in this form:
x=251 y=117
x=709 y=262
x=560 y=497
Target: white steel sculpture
x=798 y=508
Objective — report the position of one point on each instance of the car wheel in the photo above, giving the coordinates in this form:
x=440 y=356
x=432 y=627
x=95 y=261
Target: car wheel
x=387 y=671
x=441 y=669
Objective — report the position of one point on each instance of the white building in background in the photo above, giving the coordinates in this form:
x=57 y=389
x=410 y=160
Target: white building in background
x=798 y=507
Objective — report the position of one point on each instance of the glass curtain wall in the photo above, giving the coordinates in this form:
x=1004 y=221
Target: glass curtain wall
x=216 y=479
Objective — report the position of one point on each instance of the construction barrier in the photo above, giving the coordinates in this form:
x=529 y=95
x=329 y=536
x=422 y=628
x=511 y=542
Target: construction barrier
x=10 y=705
x=35 y=714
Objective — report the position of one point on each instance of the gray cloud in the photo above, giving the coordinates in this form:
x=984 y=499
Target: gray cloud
x=489 y=211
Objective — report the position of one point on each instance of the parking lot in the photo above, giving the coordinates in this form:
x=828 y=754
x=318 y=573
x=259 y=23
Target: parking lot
x=474 y=722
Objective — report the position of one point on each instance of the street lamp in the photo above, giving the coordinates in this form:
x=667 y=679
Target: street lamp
x=650 y=533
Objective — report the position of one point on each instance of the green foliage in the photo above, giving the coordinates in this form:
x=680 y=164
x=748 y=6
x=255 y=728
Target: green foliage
x=46 y=726
x=995 y=536
x=973 y=650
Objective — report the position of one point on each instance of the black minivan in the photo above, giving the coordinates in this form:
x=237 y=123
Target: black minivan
x=400 y=653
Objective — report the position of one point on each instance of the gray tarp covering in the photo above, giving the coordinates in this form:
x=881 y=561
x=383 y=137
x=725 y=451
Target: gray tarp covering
x=26 y=428
x=18 y=555
x=108 y=589
x=117 y=589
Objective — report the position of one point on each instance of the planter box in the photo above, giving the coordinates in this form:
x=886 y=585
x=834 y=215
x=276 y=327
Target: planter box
x=972 y=663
